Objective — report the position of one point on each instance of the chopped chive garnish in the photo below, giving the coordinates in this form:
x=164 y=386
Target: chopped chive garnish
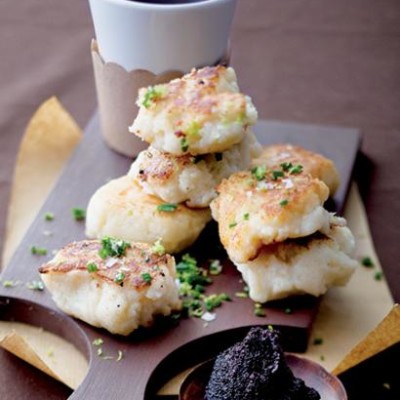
x=246 y=216
x=147 y=277
x=284 y=203
x=112 y=247
x=193 y=130
x=39 y=251
x=215 y=300
x=242 y=295
x=158 y=248
x=215 y=267
x=296 y=169
x=232 y=224
x=259 y=172
x=367 y=262
x=318 y=341
x=35 y=285
x=184 y=144
x=153 y=94
x=92 y=267
x=79 y=214
x=119 y=278
x=192 y=282
x=198 y=313
x=98 y=342
x=48 y=216
x=259 y=312
x=286 y=166
x=378 y=276
x=322 y=357
x=9 y=284
x=167 y=207
x=276 y=174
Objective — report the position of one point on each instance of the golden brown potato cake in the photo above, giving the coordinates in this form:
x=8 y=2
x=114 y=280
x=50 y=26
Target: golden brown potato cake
x=309 y=265
x=266 y=206
x=187 y=178
x=202 y=112
x=313 y=163
x=119 y=289
x=121 y=209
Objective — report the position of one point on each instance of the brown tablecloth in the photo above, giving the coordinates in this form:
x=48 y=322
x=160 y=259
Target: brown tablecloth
x=316 y=61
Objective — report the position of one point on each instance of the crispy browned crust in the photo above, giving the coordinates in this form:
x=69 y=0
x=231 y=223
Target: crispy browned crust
x=243 y=199
x=139 y=259
x=195 y=97
x=161 y=166
x=313 y=163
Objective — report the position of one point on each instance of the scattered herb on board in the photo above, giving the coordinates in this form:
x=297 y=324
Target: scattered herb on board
x=99 y=351
x=378 y=275
x=9 y=284
x=111 y=247
x=246 y=216
x=192 y=283
x=97 y=342
x=318 y=340
x=259 y=311
x=215 y=300
x=367 y=262
x=92 y=267
x=167 y=207
x=215 y=267
x=49 y=216
x=284 y=203
x=39 y=251
x=35 y=285
x=79 y=214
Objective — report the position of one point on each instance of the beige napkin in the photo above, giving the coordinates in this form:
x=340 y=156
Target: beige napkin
x=44 y=350
x=346 y=315
x=50 y=138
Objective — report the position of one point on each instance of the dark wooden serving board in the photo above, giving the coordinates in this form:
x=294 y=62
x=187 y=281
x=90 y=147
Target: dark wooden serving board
x=151 y=356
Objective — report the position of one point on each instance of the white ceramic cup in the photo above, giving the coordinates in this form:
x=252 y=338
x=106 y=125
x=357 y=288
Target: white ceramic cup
x=162 y=37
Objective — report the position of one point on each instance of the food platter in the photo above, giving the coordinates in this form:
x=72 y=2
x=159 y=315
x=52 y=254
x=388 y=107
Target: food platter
x=153 y=356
